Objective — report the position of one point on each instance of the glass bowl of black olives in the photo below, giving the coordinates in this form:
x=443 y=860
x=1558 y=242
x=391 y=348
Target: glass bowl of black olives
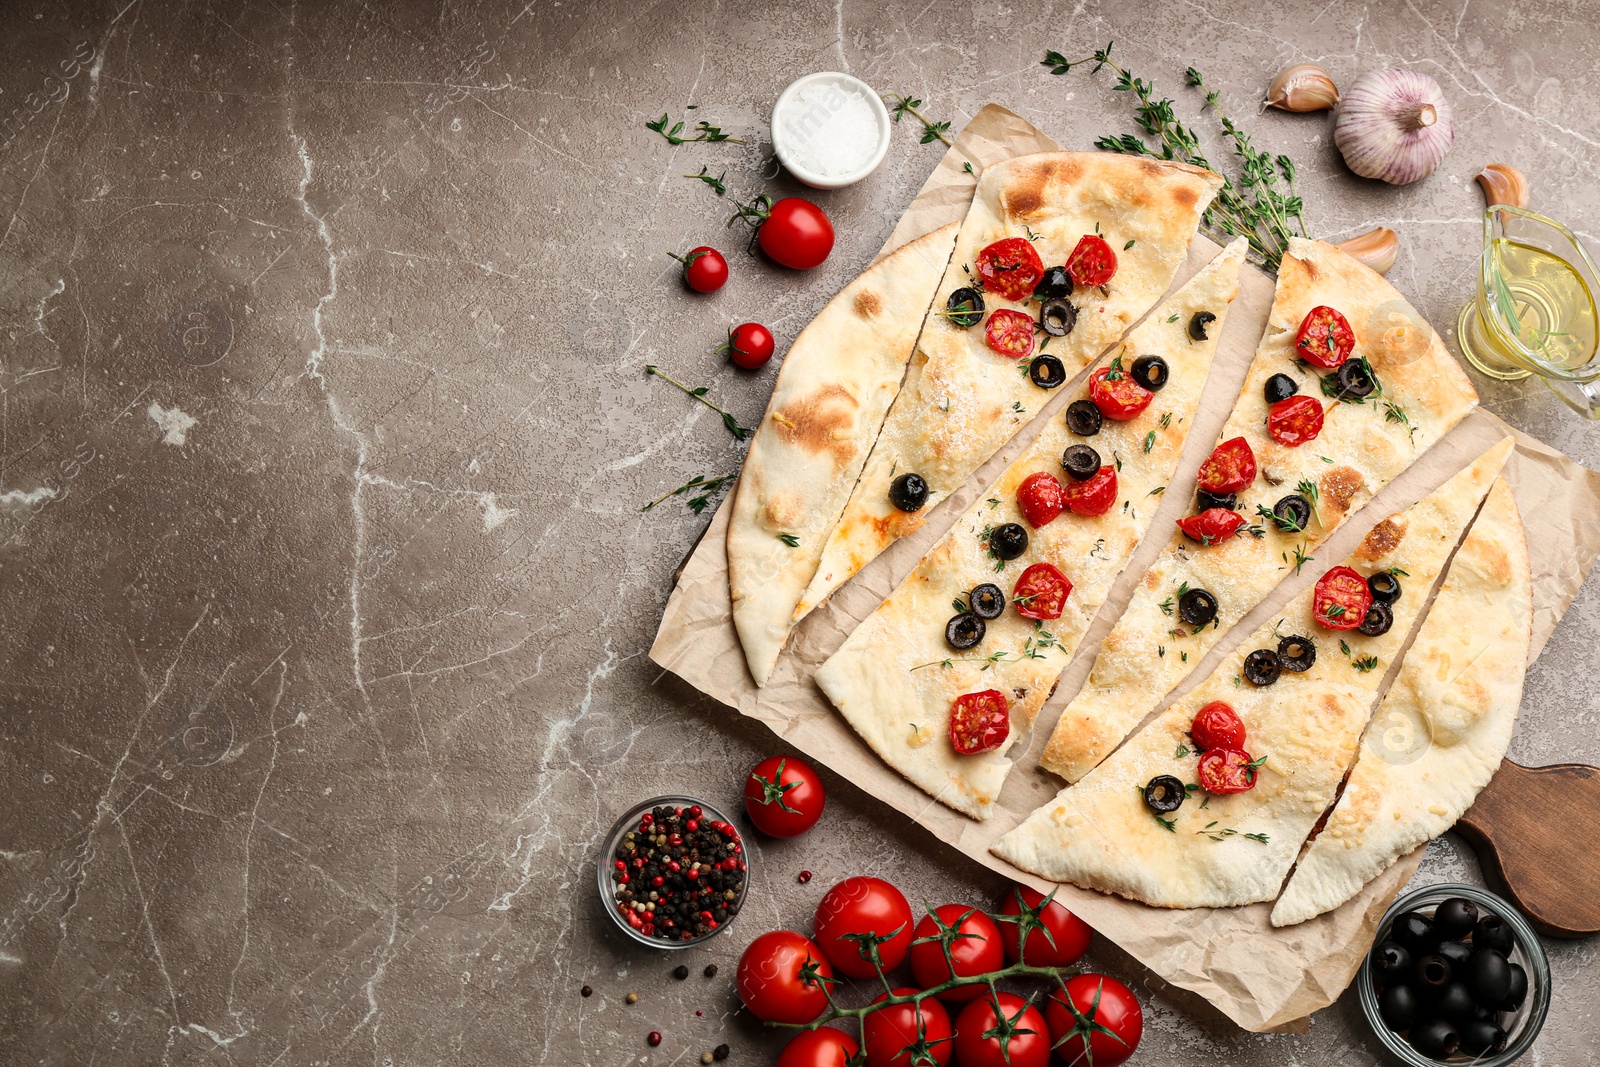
x=1455 y=976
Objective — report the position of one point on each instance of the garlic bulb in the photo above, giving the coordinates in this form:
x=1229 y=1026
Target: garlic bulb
x=1376 y=248
x=1503 y=184
x=1302 y=87
x=1393 y=125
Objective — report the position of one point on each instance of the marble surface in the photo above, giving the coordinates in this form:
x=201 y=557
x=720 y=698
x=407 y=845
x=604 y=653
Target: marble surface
x=324 y=434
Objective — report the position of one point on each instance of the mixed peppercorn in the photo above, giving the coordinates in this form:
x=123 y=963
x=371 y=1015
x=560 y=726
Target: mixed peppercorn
x=678 y=876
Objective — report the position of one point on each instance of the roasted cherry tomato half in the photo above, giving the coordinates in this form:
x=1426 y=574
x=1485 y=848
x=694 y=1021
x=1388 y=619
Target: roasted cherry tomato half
x=1227 y=770
x=1068 y=936
x=975 y=947
x=979 y=721
x=1212 y=525
x=1341 y=599
x=1041 y=498
x=1295 y=421
x=1002 y=1030
x=1041 y=592
x=1094 y=495
x=1010 y=267
x=704 y=269
x=893 y=1035
x=1009 y=333
x=783 y=977
x=796 y=233
x=1095 y=1021
x=826 y=1046
x=1092 y=262
x=1217 y=725
x=1230 y=468
x=863 y=905
x=783 y=796
x=1118 y=396
x=750 y=345
x=1324 y=338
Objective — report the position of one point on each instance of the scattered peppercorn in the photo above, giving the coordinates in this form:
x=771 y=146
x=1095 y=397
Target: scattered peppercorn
x=632 y=998
x=654 y=1038
x=805 y=876
x=711 y=970
x=678 y=875
x=680 y=972
x=706 y=1057
x=720 y=1052
x=586 y=991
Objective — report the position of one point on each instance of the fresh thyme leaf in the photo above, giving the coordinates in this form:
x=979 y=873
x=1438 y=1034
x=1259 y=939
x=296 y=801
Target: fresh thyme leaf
x=707 y=486
x=968 y=168
x=1128 y=245
x=1365 y=663
x=1157 y=491
x=1057 y=62
x=1300 y=557
x=1171 y=825
x=703 y=130
x=1309 y=489
x=739 y=432
x=1400 y=572
x=1118 y=459
x=1161 y=652
x=1344 y=646
x=907 y=105
x=717 y=183
x=1166 y=420
x=1149 y=441
x=1166 y=606
x=993 y=502
x=1172 y=317
x=1334 y=611
x=790 y=539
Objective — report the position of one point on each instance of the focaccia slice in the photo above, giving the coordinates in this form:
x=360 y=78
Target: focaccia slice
x=962 y=400
x=895 y=678
x=1363 y=445
x=837 y=382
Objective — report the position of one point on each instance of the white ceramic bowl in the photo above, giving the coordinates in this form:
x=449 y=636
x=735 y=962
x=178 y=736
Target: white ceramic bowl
x=784 y=145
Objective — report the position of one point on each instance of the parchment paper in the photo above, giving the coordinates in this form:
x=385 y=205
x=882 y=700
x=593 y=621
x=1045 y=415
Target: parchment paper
x=1262 y=978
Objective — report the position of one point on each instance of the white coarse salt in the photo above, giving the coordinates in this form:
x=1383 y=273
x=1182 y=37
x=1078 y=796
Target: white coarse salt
x=829 y=130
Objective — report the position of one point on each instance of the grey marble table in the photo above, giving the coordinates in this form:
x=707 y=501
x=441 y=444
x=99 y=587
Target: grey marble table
x=324 y=435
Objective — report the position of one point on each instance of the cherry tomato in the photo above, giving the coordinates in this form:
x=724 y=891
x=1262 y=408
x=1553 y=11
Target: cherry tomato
x=1341 y=599
x=1324 y=338
x=796 y=233
x=1009 y=333
x=1118 y=396
x=907 y=1035
x=1295 y=421
x=1002 y=1030
x=1010 y=268
x=863 y=905
x=1081 y=1015
x=783 y=796
x=826 y=1046
x=1092 y=262
x=975 y=947
x=750 y=345
x=1041 y=592
x=979 y=721
x=1062 y=942
x=1095 y=494
x=1217 y=725
x=1212 y=525
x=1230 y=468
x=1227 y=770
x=704 y=269
x=782 y=976
x=1041 y=498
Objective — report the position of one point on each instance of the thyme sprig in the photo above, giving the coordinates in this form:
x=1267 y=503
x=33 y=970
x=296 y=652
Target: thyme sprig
x=718 y=184
x=699 y=393
x=901 y=105
x=703 y=131
x=706 y=485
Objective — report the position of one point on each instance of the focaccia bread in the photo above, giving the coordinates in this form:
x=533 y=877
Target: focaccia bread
x=895 y=678
x=836 y=384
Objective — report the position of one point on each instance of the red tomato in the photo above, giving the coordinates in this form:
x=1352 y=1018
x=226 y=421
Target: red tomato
x=1295 y=421
x=796 y=233
x=1002 y=1031
x=1041 y=592
x=1092 y=262
x=1063 y=940
x=1341 y=599
x=783 y=796
x=1217 y=725
x=1230 y=468
x=782 y=978
x=907 y=1035
x=750 y=345
x=826 y=1046
x=863 y=906
x=1227 y=770
x=1009 y=333
x=1212 y=525
x=975 y=947
x=1118 y=396
x=1095 y=494
x=704 y=269
x=1081 y=1016
x=979 y=721
x=1041 y=498
x=1010 y=268
x=1324 y=338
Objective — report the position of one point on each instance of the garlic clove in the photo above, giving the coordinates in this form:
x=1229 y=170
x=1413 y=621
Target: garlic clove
x=1302 y=87
x=1503 y=184
x=1376 y=248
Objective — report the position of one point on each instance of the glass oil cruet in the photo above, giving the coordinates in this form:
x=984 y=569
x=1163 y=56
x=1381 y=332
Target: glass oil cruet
x=1534 y=312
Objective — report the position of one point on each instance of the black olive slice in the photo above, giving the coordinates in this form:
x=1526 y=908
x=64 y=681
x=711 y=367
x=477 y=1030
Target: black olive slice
x=1081 y=462
x=1164 y=794
x=1008 y=541
x=1083 y=418
x=1385 y=588
x=1205 y=501
x=1355 y=380
x=1296 y=653
x=1377 y=620
x=1292 y=514
x=1198 y=324
x=1435 y=1038
x=1392 y=960
x=1046 y=371
x=1280 y=387
x=1397 y=1006
x=1261 y=667
x=1054 y=284
x=908 y=492
x=964 y=631
x=964 y=307
x=1197 y=607
x=988 y=602
x=1150 y=372
x=1057 y=317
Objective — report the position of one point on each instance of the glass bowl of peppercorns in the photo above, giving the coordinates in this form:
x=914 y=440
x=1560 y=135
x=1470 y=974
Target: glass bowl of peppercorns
x=673 y=872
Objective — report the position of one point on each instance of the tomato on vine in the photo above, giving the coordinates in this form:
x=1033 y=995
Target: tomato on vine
x=1002 y=1030
x=974 y=944
x=1095 y=1021
x=704 y=269
x=907 y=1035
x=783 y=978
x=783 y=796
x=857 y=914
x=826 y=1046
x=1056 y=937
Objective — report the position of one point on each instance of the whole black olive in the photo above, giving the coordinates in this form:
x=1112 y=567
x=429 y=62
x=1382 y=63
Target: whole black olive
x=1083 y=418
x=1198 y=324
x=1432 y=975
x=1393 y=961
x=1164 y=794
x=1455 y=1003
x=1454 y=918
x=1292 y=514
x=988 y=602
x=908 y=492
x=1150 y=372
x=964 y=631
x=1479 y=1036
x=1046 y=371
x=1057 y=317
x=1081 y=462
x=1492 y=932
x=1055 y=283
x=1415 y=931
x=1459 y=953
x=1197 y=607
x=964 y=307
x=1355 y=379
x=1280 y=387
x=1378 y=619
x=1490 y=975
x=1297 y=653
x=1008 y=541
x=1205 y=501
x=1261 y=667
x=1519 y=989
x=1435 y=1039
x=1397 y=1006
x=1385 y=587
x=1481 y=1012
